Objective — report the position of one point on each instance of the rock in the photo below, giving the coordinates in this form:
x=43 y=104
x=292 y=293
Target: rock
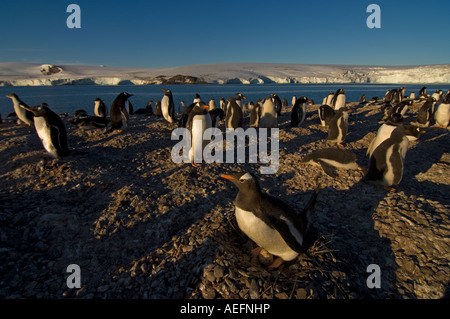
x=254 y=289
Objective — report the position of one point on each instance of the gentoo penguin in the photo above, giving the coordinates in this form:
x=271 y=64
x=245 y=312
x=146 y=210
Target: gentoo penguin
x=185 y=115
x=198 y=121
x=326 y=113
x=90 y=122
x=118 y=113
x=80 y=113
x=158 y=111
x=329 y=98
x=234 y=115
x=338 y=100
x=50 y=129
x=330 y=158
x=298 y=112
x=255 y=114
x=442 y=114
x=425 y=113
x=277 y=102
x=268 y=117
x=387 y=161
x=212 y=105
x=362 y=98
x=239 y=97
x=384 y=132
x=437 y=95
x=270 y=222
x=100 y=108
x=21 y=110
x=294 y=99
x=400 y=108
x=223 y=104
x=423 y=92
x=167 y=106
x=197 y=98
x=147 y=110
x=285 y=103
x=338 y=127
x=217 y=115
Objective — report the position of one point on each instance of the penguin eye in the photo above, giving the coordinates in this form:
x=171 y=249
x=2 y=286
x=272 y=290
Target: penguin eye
x=241 y=180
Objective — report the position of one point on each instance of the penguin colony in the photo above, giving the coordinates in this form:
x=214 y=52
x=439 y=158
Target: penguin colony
x=275 y=226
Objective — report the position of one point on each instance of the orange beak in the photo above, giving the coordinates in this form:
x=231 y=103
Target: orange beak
x=227 y=176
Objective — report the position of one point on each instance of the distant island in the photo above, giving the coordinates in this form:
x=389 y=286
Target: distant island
x=34 y=74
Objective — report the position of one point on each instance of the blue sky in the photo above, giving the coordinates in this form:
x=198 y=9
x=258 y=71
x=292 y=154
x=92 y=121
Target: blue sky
x=176 y=33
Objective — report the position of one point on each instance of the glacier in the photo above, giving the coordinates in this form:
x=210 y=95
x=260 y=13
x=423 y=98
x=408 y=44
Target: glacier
x=33 y=74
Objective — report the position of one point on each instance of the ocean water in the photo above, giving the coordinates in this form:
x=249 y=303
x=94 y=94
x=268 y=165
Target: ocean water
x=67 y=99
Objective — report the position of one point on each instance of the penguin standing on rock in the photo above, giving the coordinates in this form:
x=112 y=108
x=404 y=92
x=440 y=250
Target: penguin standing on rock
x=100 y=108
x=118 y=113
x=50 y=129
x=255 y=115
x=198 y=121
x=234 y=115
x=330 y=158
x=384 y=132
x=387 y=161
x=326 y=113
x=338 y=127
x=277 y=102
x=268 y=117
x=270 y=222
x=425 y=113
x=338 y=100
x=22 y=110
x=167 y=106
x=442 y=114
x=298 y=112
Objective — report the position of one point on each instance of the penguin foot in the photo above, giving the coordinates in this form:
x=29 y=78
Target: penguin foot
x=276 y=263
x=195 y=164
x=256 y=251
x=340 y=145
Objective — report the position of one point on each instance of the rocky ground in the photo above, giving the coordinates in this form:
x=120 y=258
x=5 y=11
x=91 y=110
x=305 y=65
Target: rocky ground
x=140 y=226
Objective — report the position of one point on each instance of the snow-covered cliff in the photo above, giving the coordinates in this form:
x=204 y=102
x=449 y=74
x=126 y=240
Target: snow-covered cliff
x=29 y=74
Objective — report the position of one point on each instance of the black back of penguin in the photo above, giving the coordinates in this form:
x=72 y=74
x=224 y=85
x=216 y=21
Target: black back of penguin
x=234 y=116
x=297 y=112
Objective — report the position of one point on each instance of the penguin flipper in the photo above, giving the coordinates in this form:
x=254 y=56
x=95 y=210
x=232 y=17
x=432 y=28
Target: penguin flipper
x=328 y=169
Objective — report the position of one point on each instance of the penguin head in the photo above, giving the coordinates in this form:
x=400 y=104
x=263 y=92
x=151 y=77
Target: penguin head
x=38 y=110
x=12 y=95
x=124 y=96
x=167 y=91
x=395 y=118
x=303 y=99
x=246 y=182
x=202 y=105
x=239 y=96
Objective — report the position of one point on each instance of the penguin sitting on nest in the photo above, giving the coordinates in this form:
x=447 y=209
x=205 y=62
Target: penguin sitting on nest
x=331 y=158
x=270 y=222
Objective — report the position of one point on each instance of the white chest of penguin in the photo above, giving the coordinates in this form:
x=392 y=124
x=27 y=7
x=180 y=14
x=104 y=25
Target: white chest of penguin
x=263 y=235
x=44 y=133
